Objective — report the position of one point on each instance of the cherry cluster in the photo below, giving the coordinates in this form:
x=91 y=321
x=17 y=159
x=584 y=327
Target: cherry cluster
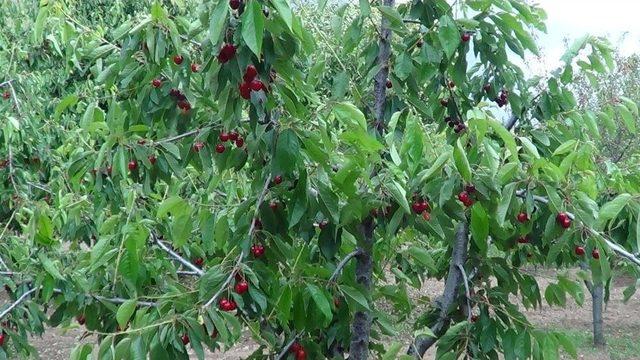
x=250 y=83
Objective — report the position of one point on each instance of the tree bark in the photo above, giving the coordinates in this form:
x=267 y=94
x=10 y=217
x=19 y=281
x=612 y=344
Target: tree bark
x=597 y=295
x=454 y=280
x=361 y=325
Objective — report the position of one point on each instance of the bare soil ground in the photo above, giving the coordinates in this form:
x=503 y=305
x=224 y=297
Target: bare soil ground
x=622 y=326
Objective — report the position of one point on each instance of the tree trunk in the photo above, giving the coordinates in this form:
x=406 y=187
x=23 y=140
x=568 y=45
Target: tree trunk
x=361 y=325
x=597 y=295
x=454 y=280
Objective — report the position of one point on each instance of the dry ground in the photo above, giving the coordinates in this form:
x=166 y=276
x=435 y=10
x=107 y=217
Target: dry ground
x=622 y=326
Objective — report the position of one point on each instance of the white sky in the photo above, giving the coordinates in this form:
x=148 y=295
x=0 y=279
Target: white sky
x=618 y=20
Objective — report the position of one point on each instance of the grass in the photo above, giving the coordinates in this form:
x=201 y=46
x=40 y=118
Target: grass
x=620 y=346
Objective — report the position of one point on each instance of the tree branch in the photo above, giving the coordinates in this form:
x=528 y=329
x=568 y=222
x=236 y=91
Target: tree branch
x=283 y=353
x=458 y=258
x=226 y=283
x=18 y=301
x=178 y=137
x=343 y=263
x=180 y=259
x=612 y=245
x=467 y=293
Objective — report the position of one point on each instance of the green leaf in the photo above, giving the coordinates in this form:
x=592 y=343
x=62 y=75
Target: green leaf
x=627 y=118
x=479 y=226
x=125 y=311
x=565 y=147
x=528 y=145
x=425 y=175
x=217 y=20
x=365 y=8
x=611 y=209
x=65 y=103
x=174 y=205
x=349 y=114
x=394 y=18
x=630 y=104
x=567 y=343
x=506 y=137
x=399 y=195
x=253 y=26
x=285 y=12
x=49 y=266
x=449 y=35
x=460 y=159
x=505 y=201
x=321 y=300
x=287 y=152
x=356 y=296
x=392 y=351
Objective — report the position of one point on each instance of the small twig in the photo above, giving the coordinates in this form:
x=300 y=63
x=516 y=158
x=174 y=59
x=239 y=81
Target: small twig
x=15 y=99
x=6 y=83
x=17 y=302
x=467 y=293
x=226 y=283
x=187 y=273
x=15 y=187
x=178 y=137
x=180 y=259
x=2 y=235
x=343 y=263
x=37 y=186
x=121 y=301
x=8 y=273
x=412 y=21
x=283 y=353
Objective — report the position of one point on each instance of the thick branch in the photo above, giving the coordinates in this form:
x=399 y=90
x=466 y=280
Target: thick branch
x=458 y=258
x=612 y=245
x=180 y=259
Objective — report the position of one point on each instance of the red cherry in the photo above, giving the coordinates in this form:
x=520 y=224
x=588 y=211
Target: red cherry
x=273 y=205
x=178 y=59
x=195 y=67
x=2 y=335
x=109 y=169
x=220 y=148
x=142 y=142
x=523 y=240
x=579 y=250
x=242 y=287
x=240 y=142
x=451 y=84
x=561 y=217
x=596 y=254
x=184 y=105
x=417 y=207
x=250 y=73
x=469 y=202
x=301 y=355
x=426 y=215
x=156 y=83
x=277 y=179
x=523 y=217
x=474 y=318
x=295 y=347
x=233 y=136
x=234 y=4
x=256 y=85
x=198 y=146
x=185 y=339
x=389 y=84
x=132 y=165
x=566 y=223
x=464 y=197
x=323 y=224
x=224 y=137
x=444 y=102
x=81 y=319
x=465 y=37
x=470 y=188
x=486 y=87
x=198 y=262
x=152 y=159
x=336 y=302
x=6 y=95
x=245 y=90
x=257 y=250
x=227 y=52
